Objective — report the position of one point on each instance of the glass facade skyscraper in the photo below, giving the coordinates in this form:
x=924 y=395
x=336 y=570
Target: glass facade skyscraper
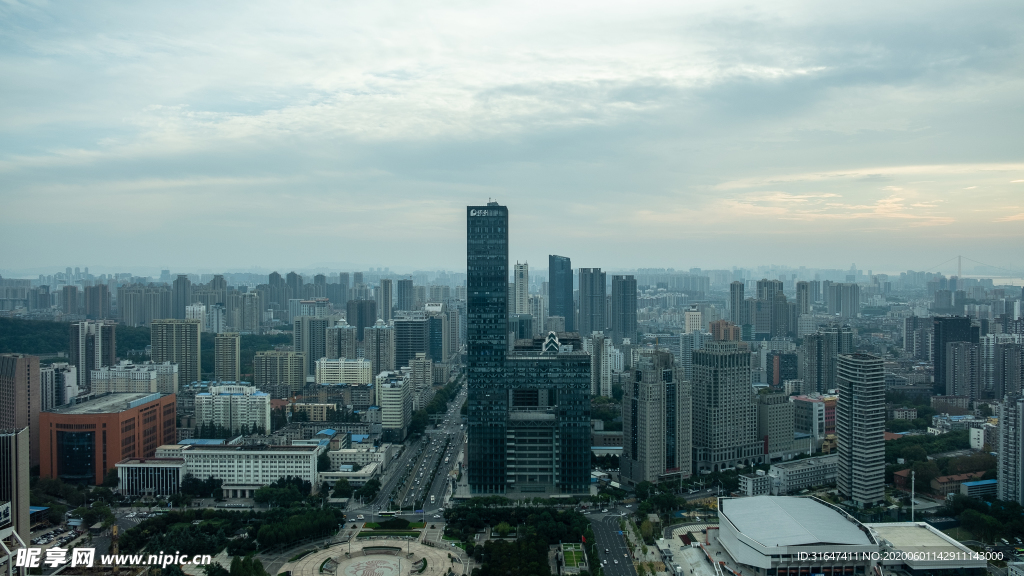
x=487 y=344
x=560 y=301
x=528 y=409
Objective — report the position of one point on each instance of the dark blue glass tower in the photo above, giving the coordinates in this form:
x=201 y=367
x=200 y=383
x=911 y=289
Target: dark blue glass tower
x=560 y=290
x=487 y=344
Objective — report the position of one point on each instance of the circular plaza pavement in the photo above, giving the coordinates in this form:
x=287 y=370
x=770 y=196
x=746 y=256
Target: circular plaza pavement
x=375 y=557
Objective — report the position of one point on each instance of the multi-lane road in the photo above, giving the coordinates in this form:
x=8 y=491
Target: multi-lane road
x=611 y=546
x=422 y=470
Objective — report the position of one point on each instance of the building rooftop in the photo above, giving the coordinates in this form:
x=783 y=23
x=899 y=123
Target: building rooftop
x=253 y=448
x=806 y=462
x=109 y=403
x=917 y=537
x=153 y=461
x=795 y=521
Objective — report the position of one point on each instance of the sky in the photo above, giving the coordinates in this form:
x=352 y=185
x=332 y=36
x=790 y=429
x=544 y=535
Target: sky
x=230 y=135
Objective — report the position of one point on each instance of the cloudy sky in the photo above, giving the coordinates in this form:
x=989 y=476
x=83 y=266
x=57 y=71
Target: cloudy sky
x=224 y=136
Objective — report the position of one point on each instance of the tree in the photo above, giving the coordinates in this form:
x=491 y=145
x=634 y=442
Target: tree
x=643 y=490
x=323 y=462
x=647 y=530
x=925 y=472
x=342 y=489
x=503 y=529
x=110 y=479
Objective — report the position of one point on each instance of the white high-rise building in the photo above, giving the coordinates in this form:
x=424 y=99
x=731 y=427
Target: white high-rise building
x=521 y=304
x=344 y=371
x=58 y=385
x=128 y=377
x=394 y=394
x=421 y=378
x=860 y=428
x=693 y=320
x=216 y=319
x=232 y=407
x=197 y=311
x=1010 y=468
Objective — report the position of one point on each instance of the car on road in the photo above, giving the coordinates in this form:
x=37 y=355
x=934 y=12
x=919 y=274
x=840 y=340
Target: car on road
x=616 y=561
x=359 y=517
x=605 y=510
x=624 y=555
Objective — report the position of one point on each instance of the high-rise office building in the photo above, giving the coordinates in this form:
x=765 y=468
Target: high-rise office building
x=97 y=302
x=394 y=393
x=341 y=340
x=181 y=296
x=385 y=300
x=693 y=320
x=600 y=370
x=58 y=385
x=724 y=408
x=547 y=432
x=405 y=297
x=250 y=312
x=963 y=369
x=560 y=300
x=20 y=400
x=294 y=283
x=412 y=336
x=93 y=345
x=487 y=345
x=227 y=365
x=280 y=373
x=736 y=307
x=775 y=415
x=1010 y=467
x=657 y=422
x=766 y=289
x=917 y=337
x=803 y=297
x=197 y=312
x=177 y=341
x=623 y=320
x=780 y=316
x=14 y=479
x=1007 y=370
x=949 y=329
x=69 y=299
x=521 y=296
x=360 y=314
x=860 y=428
x=379 y=347
x=309 y=337
x=593 y=293
x=820 y=352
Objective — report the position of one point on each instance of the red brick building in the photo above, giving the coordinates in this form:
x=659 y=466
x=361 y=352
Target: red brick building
x=80 y=443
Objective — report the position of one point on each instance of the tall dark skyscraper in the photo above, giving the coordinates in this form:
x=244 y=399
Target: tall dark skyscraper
x=487 y=344
x=593 y=295
x=560 y=291
x=294 y=287
x=405 y=298
x=181 y=296
x=361 y=314
x=949 y=329
x=736 y=315
x=623 y=320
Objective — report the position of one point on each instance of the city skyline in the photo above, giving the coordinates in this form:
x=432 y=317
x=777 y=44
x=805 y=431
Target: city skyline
x=619 y=128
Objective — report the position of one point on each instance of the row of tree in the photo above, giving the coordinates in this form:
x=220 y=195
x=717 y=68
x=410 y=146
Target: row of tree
x=309 y=524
